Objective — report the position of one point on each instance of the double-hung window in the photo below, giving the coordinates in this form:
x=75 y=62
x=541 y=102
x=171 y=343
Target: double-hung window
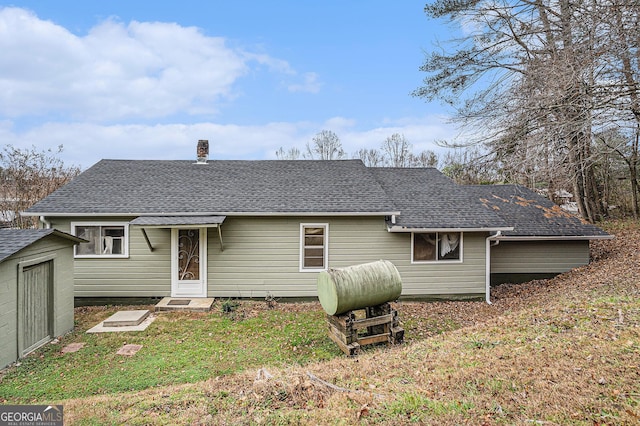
x=107 y=239
x=314 y=246
x=436 y=246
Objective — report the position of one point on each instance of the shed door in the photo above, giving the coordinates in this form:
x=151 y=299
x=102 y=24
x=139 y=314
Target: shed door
x=35 y=306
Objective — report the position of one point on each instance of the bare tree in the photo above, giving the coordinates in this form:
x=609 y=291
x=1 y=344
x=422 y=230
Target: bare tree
x=539 y=77
x=325 y=145
x=614 y=170
x=424 y=159
x=397 y=151
x=620 y=95
x=469 y=166
x=290 y=154
x=370 y=157
x=27 y=176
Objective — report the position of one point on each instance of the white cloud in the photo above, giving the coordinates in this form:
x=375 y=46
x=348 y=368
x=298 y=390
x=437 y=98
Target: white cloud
x=96 y=94
x=310 y=84
x=273 y=64
x=86 y=143
x=339 y=124
x=136 y=71
x=423 y=133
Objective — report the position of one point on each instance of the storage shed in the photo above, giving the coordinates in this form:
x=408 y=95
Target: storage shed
x=36 y=289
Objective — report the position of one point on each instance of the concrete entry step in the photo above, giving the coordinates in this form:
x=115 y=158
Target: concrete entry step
x=197 y=304
x=126 y=318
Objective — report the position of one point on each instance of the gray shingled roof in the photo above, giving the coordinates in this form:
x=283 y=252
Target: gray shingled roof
x=14 y=240
x=429 y=199
x=424 y=198
x=141 y=187
x=530 y=213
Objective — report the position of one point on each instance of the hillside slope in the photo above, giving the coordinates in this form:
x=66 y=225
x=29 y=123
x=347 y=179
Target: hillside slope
x=559 y=351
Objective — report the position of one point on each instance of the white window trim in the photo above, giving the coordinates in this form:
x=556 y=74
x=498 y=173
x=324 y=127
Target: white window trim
x=125 y=243
x=416 y=262
x=326 y=246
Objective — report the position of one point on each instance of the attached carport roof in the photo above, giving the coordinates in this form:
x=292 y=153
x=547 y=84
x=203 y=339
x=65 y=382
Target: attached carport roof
x=176 y=221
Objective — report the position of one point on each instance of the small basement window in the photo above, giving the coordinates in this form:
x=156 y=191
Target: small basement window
x=105 y=239
x=436 y=246
x=313 y=246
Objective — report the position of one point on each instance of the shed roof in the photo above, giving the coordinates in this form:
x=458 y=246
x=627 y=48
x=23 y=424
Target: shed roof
x=531 y=214
x=14 y=240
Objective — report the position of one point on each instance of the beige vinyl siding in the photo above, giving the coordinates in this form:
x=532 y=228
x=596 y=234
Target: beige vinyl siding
x=53 y=248
x=513 y=257
x=261 y=256
x=451 y=278
x=143 y=274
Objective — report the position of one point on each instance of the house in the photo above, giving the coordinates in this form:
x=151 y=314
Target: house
x=36 y=289
x=256 y=228
x=546 y=239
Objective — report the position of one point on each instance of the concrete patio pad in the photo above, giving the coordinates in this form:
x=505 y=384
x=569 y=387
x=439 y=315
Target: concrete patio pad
x=188 y=304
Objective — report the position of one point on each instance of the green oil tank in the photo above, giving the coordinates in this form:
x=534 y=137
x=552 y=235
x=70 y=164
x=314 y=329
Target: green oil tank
x=358 y=286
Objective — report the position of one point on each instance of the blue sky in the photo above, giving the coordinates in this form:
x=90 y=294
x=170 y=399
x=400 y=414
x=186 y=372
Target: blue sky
x=139 y=80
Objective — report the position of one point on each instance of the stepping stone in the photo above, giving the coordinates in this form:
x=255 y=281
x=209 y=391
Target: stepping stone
x=129 y=350
x=72 y=347
x=126 y=318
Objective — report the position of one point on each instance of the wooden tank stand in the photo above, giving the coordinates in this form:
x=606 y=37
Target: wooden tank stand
x=379 y=325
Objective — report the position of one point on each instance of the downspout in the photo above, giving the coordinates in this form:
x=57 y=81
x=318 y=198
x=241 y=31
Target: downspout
x=487 y=269
x=45 y=222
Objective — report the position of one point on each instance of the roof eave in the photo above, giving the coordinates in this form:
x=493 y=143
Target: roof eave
x=231 y=213
x=552 y=237
x=76 y=240
x=453 y=229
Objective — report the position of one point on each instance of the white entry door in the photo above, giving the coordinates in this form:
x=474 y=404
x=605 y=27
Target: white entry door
x=189 y=262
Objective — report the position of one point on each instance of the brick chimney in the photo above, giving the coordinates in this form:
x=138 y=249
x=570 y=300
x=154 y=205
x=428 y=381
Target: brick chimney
x=203 y=151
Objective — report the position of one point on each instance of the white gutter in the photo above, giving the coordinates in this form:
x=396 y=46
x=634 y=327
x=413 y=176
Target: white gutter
x=487 y=268
x=47 y=224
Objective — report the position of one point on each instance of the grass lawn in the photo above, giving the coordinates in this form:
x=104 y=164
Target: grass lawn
x=562 y=351
x=177 y=348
